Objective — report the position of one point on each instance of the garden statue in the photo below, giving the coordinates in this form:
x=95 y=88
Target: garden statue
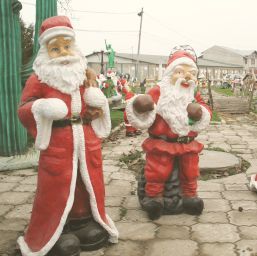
x=174 y=113
x=109 y=88
x=111 y=55
x=67 y=115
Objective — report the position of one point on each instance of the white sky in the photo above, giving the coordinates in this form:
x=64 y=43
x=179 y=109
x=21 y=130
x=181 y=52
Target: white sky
x=166 y=23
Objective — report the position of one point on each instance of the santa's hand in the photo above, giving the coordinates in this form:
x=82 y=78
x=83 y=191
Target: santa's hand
x=93 y=113
x=194 y=111
x=143 y=103
x=52 y=109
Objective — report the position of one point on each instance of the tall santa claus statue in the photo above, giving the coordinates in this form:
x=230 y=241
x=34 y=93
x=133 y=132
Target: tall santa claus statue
x=174 y=113
x=67 y=117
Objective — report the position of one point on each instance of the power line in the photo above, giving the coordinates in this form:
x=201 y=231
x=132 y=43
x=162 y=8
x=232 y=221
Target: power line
x=102 y=12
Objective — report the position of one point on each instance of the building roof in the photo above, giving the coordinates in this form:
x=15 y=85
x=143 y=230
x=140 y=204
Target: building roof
x=213 y=63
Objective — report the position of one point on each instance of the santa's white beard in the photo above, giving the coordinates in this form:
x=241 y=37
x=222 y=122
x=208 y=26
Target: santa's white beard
x=63 y=77
x=173 y=102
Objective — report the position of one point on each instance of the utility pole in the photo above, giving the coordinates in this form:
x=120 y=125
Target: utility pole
x=139 y=40
x=102 y=62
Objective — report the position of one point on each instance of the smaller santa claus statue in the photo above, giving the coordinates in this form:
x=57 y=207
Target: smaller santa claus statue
x=68 y=117
x=174 y=113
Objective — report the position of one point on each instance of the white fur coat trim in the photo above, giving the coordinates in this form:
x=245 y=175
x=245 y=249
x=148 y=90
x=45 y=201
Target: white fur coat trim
x=94 y=97
x=138 y=120
x=204 y=122
x=45 y=111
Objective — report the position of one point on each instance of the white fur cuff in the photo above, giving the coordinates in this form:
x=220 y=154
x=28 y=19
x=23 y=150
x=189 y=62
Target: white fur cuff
x=45 y=111
x=204 y=122
x=138 y=120
x=94 y=97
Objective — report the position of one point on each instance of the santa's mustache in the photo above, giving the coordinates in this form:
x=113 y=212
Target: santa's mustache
x=64 y=60
x=183 y=81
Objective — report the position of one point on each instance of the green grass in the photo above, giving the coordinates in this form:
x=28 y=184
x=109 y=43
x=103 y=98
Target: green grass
x=215 y=117
x=116 y=117
x=226 y=91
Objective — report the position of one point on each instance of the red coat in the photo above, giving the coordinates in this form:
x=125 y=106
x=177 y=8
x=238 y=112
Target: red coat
x=160 y=127
x=57 y=172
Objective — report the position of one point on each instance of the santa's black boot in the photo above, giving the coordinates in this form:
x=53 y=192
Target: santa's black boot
x=92 y=235
x=67 y=245
x=153 y=206
x=193 y=205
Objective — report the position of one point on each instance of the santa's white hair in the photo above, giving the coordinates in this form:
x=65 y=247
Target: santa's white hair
x=65 y=73
x=173 y=102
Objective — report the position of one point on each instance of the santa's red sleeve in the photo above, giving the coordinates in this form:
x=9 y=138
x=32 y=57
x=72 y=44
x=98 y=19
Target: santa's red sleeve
x=31 y=92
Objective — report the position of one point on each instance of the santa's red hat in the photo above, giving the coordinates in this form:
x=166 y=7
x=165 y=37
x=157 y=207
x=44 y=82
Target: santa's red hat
x=183 y=54
x=55 y=26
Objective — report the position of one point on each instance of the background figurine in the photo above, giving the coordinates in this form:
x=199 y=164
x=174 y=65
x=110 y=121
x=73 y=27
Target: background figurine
x=174 y=113
x=67 y=116
x=111 y=55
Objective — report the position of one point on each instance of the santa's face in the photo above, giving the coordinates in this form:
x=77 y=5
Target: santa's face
x=185 y=73
x=60 y=46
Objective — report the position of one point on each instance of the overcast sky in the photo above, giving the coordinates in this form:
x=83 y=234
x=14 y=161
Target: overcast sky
x=166 y=23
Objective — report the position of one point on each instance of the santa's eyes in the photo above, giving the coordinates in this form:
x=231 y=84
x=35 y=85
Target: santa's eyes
x=55 y=49
x=67 y=47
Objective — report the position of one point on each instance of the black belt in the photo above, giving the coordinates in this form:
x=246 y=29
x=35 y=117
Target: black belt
x=183 y=139
x=71 y=121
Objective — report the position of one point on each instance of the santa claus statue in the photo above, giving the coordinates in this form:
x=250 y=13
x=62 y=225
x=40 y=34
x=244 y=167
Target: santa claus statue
x=68 y=117
x=174 y=113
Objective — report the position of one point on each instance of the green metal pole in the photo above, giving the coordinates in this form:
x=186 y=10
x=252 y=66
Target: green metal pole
x=44 y=9
x=13 y=137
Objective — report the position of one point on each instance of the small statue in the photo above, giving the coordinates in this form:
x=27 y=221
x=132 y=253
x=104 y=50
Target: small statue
x=111 y=55
x=174 y=113
x=67 y=115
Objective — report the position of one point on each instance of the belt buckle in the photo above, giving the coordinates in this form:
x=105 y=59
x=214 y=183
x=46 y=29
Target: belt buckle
x=184 y=139
x=180 y=139
x=75 y=120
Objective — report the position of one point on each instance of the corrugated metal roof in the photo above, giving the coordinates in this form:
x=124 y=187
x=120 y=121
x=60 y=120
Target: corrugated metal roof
x=212 y=63
x=154 y=59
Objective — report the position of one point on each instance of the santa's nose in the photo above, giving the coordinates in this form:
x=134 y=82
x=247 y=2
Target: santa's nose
x=187 y=76
x=64 y=52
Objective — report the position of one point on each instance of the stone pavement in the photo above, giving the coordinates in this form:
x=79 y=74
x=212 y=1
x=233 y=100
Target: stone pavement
x=227 y=227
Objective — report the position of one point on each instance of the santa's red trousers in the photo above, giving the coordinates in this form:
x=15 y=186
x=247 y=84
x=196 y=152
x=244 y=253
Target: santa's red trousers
x=129 y=127
x=159 y=167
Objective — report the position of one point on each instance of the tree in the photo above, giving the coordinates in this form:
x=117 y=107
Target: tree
x=26 y=41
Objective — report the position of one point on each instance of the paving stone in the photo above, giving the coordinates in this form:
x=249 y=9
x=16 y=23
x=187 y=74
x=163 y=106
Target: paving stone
x=29 y=180
x=245 y=205
x=11 y=179
x=213 y=217
x=247 y=218
x=248 y=233
x=239 y=146
x=240 y=178
x=204 y=194
x=4 y=209
x=25 y=188
x=8 y=242
x=214 y=233
x=112 y=190
x=113 y=200
x=172 y=247
x=93 y=253
x=114 y=213
x=111 y=168
x=236 y=187
x=174 y=232
x=14 y=197
x=136 y=231
x=217 y=249
x=136 y=215
x=125 y=248
x=4 y=187
x=25 y=172
x=252 y=170
x=132 y=202
x=181 y=219
x=209 y=186
x=239 y=195
x=123 y=176
x=216 y=205
x=109 y=162
x=246 y=157
x=13 y=225
x=246 y=247
x=20 y=212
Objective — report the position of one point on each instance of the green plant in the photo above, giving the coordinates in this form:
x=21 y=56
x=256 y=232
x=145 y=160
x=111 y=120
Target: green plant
x=215 y=117
x=116 y=118
x=223 y=91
